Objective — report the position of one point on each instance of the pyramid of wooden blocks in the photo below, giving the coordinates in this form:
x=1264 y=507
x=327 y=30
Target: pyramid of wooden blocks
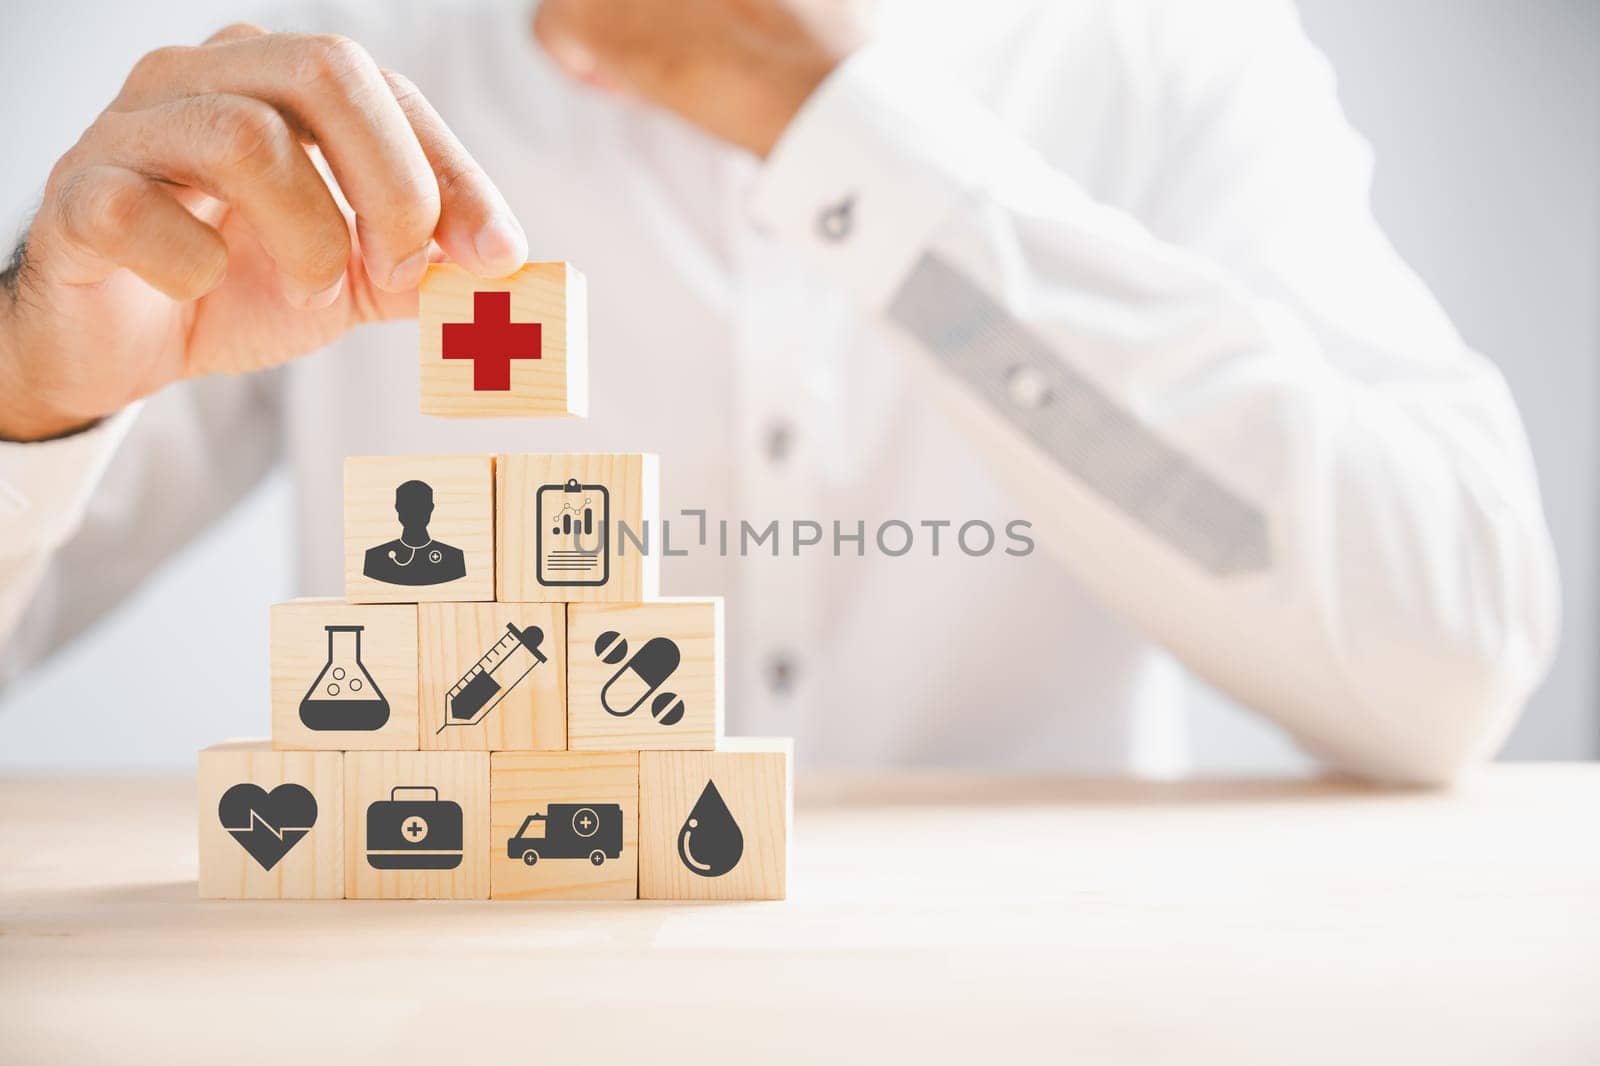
x=501 y=706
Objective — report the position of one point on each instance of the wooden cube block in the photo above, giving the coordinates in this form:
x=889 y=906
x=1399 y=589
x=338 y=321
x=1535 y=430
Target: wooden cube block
x=418 y=528
x=644 y=675
x=417 y=824
x=271 y=822
x=564 y=825
x=715 y=824
x=573 y=527
x=494 y=676
x=516 y=347
x=344 y=676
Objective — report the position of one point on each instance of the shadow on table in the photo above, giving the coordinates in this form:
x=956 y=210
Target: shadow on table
x=940 y=788
x=174 y=909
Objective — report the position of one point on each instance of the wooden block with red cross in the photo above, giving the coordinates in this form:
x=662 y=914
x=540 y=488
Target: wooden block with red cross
x=515 y=347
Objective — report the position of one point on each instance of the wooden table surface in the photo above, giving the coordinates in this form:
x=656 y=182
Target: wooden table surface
x=930 y=918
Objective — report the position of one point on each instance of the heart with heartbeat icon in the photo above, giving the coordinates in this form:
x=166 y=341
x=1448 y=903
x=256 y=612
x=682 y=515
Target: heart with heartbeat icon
x=267 y=824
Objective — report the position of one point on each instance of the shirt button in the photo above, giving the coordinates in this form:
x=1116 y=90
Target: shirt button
x=836 y=220
x=781 y=672
x=779 y=442
x=1027 y=387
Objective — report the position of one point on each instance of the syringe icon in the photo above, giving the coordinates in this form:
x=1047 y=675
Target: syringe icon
x=493 y=676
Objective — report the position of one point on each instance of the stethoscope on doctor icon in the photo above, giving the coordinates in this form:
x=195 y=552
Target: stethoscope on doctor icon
x=434 y=556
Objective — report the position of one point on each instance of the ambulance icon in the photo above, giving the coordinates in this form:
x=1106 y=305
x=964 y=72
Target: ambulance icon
x=590 y=831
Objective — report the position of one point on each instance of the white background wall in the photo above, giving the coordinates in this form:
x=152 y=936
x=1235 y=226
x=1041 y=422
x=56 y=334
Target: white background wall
x=1486 y=120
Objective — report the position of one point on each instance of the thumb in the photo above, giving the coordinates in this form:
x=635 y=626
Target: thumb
x=575 y=58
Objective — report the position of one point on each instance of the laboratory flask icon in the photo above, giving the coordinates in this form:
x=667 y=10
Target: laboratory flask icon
x=344 y=695
x=710 y=843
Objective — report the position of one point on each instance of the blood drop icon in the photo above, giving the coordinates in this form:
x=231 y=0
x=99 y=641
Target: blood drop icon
x=710 y=842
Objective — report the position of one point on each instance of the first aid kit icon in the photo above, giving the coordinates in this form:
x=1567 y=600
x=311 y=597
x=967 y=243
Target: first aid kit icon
x=412 y=833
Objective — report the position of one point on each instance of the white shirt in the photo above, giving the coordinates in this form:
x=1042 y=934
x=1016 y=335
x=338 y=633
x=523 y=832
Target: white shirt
x=1109 y=268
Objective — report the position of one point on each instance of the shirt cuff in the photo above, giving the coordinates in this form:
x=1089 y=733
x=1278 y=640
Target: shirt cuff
x=45 y=487
x=873 y=163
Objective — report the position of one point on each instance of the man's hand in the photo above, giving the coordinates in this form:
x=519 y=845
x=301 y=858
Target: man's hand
x=738 y=69
x=189 y=230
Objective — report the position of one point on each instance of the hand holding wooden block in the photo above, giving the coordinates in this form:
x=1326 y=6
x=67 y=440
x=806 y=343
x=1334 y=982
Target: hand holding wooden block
x=418 y=528
x=417 y=824
x=516 y=347
x=644 y=675
x=502 y=604
x=271 y=822
x=715 y=824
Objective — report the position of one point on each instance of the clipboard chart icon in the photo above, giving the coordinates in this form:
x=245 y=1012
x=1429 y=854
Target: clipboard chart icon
x=573 y=542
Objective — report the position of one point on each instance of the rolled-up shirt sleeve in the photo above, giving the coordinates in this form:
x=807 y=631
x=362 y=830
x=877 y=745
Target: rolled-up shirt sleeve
x=45 y=486
x=45 y=489
x=85 y=519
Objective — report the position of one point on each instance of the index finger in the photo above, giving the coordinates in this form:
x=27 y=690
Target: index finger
x=476 y=227
x=333 y=91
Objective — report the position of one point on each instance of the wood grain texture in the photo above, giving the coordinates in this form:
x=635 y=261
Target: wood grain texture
x=525 y=783
x=693 y=626
x=942 y=916
x=314 y=867
x=461 y=778
x=753 y=776
x=463 y=518
x=300 y=651
x=555 y=384
x=532 y=715
x=631 y=498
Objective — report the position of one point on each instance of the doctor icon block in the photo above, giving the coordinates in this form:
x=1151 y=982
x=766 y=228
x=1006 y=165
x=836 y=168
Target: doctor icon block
x=516 y=347
x=645 y=675
x=716 y=824
x=419 y=528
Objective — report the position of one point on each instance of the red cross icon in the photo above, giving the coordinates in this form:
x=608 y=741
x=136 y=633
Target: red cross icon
x=491 y=340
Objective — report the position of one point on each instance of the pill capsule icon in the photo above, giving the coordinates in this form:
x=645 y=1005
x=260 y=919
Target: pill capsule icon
x=667 y=708
x=638 y=678
x=611 y=647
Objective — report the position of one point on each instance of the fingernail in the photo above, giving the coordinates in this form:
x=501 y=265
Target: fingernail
x=409 y=273
x=501 y=245
x=316 y=301
x=573 y=57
